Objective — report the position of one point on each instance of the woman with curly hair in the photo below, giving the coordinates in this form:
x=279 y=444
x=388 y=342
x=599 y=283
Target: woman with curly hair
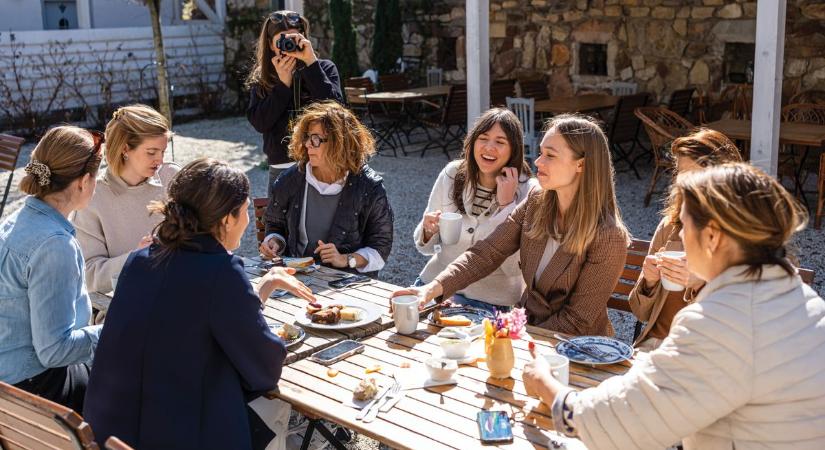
x=331 y=205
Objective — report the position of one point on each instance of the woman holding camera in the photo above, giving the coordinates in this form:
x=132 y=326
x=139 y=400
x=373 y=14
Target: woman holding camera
x=331 y=205
x=287 y=77
x=483 y=188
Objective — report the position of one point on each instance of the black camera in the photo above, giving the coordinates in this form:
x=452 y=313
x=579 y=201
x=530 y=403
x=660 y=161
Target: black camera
x=287 y=45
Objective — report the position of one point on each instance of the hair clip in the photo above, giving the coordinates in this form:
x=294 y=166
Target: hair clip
x=40 y=171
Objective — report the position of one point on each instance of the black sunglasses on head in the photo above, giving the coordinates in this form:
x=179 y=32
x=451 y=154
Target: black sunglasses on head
x=291 y=19
x=98 y=139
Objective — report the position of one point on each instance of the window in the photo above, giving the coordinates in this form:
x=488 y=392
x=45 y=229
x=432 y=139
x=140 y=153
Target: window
x=59 y=14
x=593 y=59
x=738 y=62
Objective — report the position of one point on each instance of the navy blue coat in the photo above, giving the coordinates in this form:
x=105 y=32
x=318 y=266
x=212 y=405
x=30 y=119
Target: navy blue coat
x=184 y=346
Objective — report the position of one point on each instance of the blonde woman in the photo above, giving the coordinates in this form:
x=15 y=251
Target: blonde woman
x=117 y=220
x=744 y=366
x=569 y=232
x=331 y=205
x=649 y=301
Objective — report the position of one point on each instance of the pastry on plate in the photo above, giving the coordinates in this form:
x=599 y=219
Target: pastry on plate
x=366 y=390
x=299 y=263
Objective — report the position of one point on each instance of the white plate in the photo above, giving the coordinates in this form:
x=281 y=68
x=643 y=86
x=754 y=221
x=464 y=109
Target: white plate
x=371 y=313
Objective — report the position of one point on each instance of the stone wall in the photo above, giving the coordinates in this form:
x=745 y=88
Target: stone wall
x=661 y=44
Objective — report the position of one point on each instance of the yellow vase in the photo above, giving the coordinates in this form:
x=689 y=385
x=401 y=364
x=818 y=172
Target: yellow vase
x=500 y=358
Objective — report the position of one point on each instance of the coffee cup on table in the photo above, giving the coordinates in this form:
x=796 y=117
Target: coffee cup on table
x=405 y=313
x=449 y=226
x=559 y=367
x=667 y=284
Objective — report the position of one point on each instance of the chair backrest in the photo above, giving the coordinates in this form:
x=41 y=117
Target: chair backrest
x=662 y=125
x=355 y=95
x=811 y=96
x=31 y=422
x=804 y=113
x=260 y=205
x=535 y=88
x=360 y=82
x=455 y=111
x=500 y=90
x=9 y=151
x=434 y=76
x=738 y=99
x=524 y=109
x=393 y=82
x=636 y=252
x=114 y=443
x=680 y=101
x=623 y=88
x=625 y=125
x=807 y=275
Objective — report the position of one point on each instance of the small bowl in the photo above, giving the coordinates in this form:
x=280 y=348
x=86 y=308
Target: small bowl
x=441 y=369
x=455 y=348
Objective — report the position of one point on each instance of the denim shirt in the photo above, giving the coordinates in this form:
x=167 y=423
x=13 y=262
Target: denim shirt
x=44 y=307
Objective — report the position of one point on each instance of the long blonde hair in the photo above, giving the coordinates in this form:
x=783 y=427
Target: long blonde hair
x=129 y=126
x=748 y=205
x=594 y=204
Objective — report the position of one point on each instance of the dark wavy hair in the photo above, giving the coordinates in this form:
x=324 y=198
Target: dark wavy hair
x=200 y=195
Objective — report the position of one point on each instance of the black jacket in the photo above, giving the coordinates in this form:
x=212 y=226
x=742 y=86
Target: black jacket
x=159 y=382
x=271 y=113
x=364 y=217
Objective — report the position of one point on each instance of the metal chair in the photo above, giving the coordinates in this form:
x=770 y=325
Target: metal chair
x=524 y=109
x=500 y=90
x=662 y=127
x=9 y=153
x=535 y=88
x=451 y=121
x=623 y=88
x=794 y=165
x=363 y=109
x=434 y=76
x=624 y=128
x=680 y=101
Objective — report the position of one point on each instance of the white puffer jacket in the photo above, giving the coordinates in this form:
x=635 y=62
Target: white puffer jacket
x=742 y=368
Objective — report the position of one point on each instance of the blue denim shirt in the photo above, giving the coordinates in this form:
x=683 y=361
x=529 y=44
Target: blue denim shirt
x=44 y=307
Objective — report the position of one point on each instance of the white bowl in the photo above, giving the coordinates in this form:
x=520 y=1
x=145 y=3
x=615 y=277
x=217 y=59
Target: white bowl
x=441 y=369
x=455 y=348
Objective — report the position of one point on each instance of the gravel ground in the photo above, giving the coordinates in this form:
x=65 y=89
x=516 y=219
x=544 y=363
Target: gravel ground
x=408 y=181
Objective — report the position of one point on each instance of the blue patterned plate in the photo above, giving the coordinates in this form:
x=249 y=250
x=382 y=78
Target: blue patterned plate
x=614 y=350
x=290 y=343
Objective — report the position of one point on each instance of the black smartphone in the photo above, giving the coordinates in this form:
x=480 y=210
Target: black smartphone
x=349 y=280
x=494 y=427
x=337 y=352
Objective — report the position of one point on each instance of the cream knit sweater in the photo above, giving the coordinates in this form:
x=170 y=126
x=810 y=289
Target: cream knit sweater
x=115 y=221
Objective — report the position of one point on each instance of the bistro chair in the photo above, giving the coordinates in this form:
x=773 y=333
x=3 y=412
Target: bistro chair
x=794 y=164
x=31 y=422
x=393 y=82
x=451 y=121
x=525 y=109
x=434 y=76
x=623 y=88
x=811 y=96
x=360 y=82
x=500 y=90
x=624 y=129
x=9 y=153
x=260 y=205
x=534 y=88
x=662 y=126
x=680 y=101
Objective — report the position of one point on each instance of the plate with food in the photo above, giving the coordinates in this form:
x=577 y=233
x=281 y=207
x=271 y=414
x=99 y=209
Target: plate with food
x=338 y=315
x=291 y=334
x=460 y=316
x=301 y=265
x=594 y=350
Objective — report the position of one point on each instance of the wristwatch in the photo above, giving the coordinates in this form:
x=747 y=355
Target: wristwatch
x=351 y=261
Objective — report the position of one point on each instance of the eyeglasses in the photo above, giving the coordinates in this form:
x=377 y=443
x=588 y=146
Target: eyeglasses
x=291 y=19
x=98 y=139
x=314 y=139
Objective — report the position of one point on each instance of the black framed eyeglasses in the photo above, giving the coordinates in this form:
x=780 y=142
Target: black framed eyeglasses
x=98 y=139
x=314 y=139
x=291 y=19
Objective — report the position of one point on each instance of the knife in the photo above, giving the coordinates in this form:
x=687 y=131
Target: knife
x=391 y=402
x=361 y=414
x=588 y=352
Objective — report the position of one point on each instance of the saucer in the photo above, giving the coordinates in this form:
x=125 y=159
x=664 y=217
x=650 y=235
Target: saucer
x=467 y=359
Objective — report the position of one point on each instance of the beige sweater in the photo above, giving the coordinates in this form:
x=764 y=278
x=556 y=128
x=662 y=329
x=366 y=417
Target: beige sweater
x=115 y=221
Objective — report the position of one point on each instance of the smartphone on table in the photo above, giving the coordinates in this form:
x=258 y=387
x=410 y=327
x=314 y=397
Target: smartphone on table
x=348 y=280
x=494 y=427
x=337 y=352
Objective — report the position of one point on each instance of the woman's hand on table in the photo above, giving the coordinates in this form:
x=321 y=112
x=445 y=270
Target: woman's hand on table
x=282 y=278
x=329 y=255
x=424 y=293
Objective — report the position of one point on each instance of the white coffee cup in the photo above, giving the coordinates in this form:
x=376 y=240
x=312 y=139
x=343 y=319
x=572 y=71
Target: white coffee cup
x=559 y=367
x=405 y=313
x=667 y=284
x=449 y=227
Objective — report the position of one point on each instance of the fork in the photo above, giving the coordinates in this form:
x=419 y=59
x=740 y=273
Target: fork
x=392 y=393
x=588 y=350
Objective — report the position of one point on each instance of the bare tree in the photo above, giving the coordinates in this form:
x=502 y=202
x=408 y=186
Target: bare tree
x=164 y=101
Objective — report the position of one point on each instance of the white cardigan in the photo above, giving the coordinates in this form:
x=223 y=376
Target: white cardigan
x=743 y=368
x=504 y=286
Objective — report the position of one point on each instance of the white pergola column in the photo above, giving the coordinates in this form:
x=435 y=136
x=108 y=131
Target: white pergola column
x=295 y=5
x=84 y=14
x=767 y=84
x=477 y=45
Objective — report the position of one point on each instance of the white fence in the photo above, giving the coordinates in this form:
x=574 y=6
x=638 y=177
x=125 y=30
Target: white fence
x=54 y=70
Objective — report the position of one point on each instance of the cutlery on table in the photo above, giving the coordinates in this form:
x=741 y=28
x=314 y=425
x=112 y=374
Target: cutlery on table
x=361 y=414
x=594 y=352
x=391 y=393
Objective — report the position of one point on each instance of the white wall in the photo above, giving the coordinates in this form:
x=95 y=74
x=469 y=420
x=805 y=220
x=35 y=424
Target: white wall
x=21 y=15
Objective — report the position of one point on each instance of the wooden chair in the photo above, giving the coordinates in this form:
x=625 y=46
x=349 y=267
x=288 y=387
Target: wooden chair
x=662 y=127
x=260 y=205
x=624 y=128
x=793 y=164
x=525 y=110
x=738 y=99
x=451 y=121
x=500 y=90
x=636 y=253
x=31 y=422
x=535 y=89
x=114 y=443
x=680 y=101
x=9 y=153
x=360 y=82
x=393 y=82
x=812 y=96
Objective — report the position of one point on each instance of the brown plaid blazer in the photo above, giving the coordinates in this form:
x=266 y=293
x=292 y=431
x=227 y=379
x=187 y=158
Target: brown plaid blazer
x=571 y=294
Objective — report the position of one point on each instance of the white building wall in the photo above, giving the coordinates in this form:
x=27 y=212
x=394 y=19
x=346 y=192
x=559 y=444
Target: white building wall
x=21 y=15
x=25 y=15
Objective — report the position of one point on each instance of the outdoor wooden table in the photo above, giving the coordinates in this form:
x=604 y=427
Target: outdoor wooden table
x=580 y=103
x=442 y=417
x=407 y=95
x=790 y=133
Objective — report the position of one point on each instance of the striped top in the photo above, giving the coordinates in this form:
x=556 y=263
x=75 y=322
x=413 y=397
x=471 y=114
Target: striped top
x=482 y=200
